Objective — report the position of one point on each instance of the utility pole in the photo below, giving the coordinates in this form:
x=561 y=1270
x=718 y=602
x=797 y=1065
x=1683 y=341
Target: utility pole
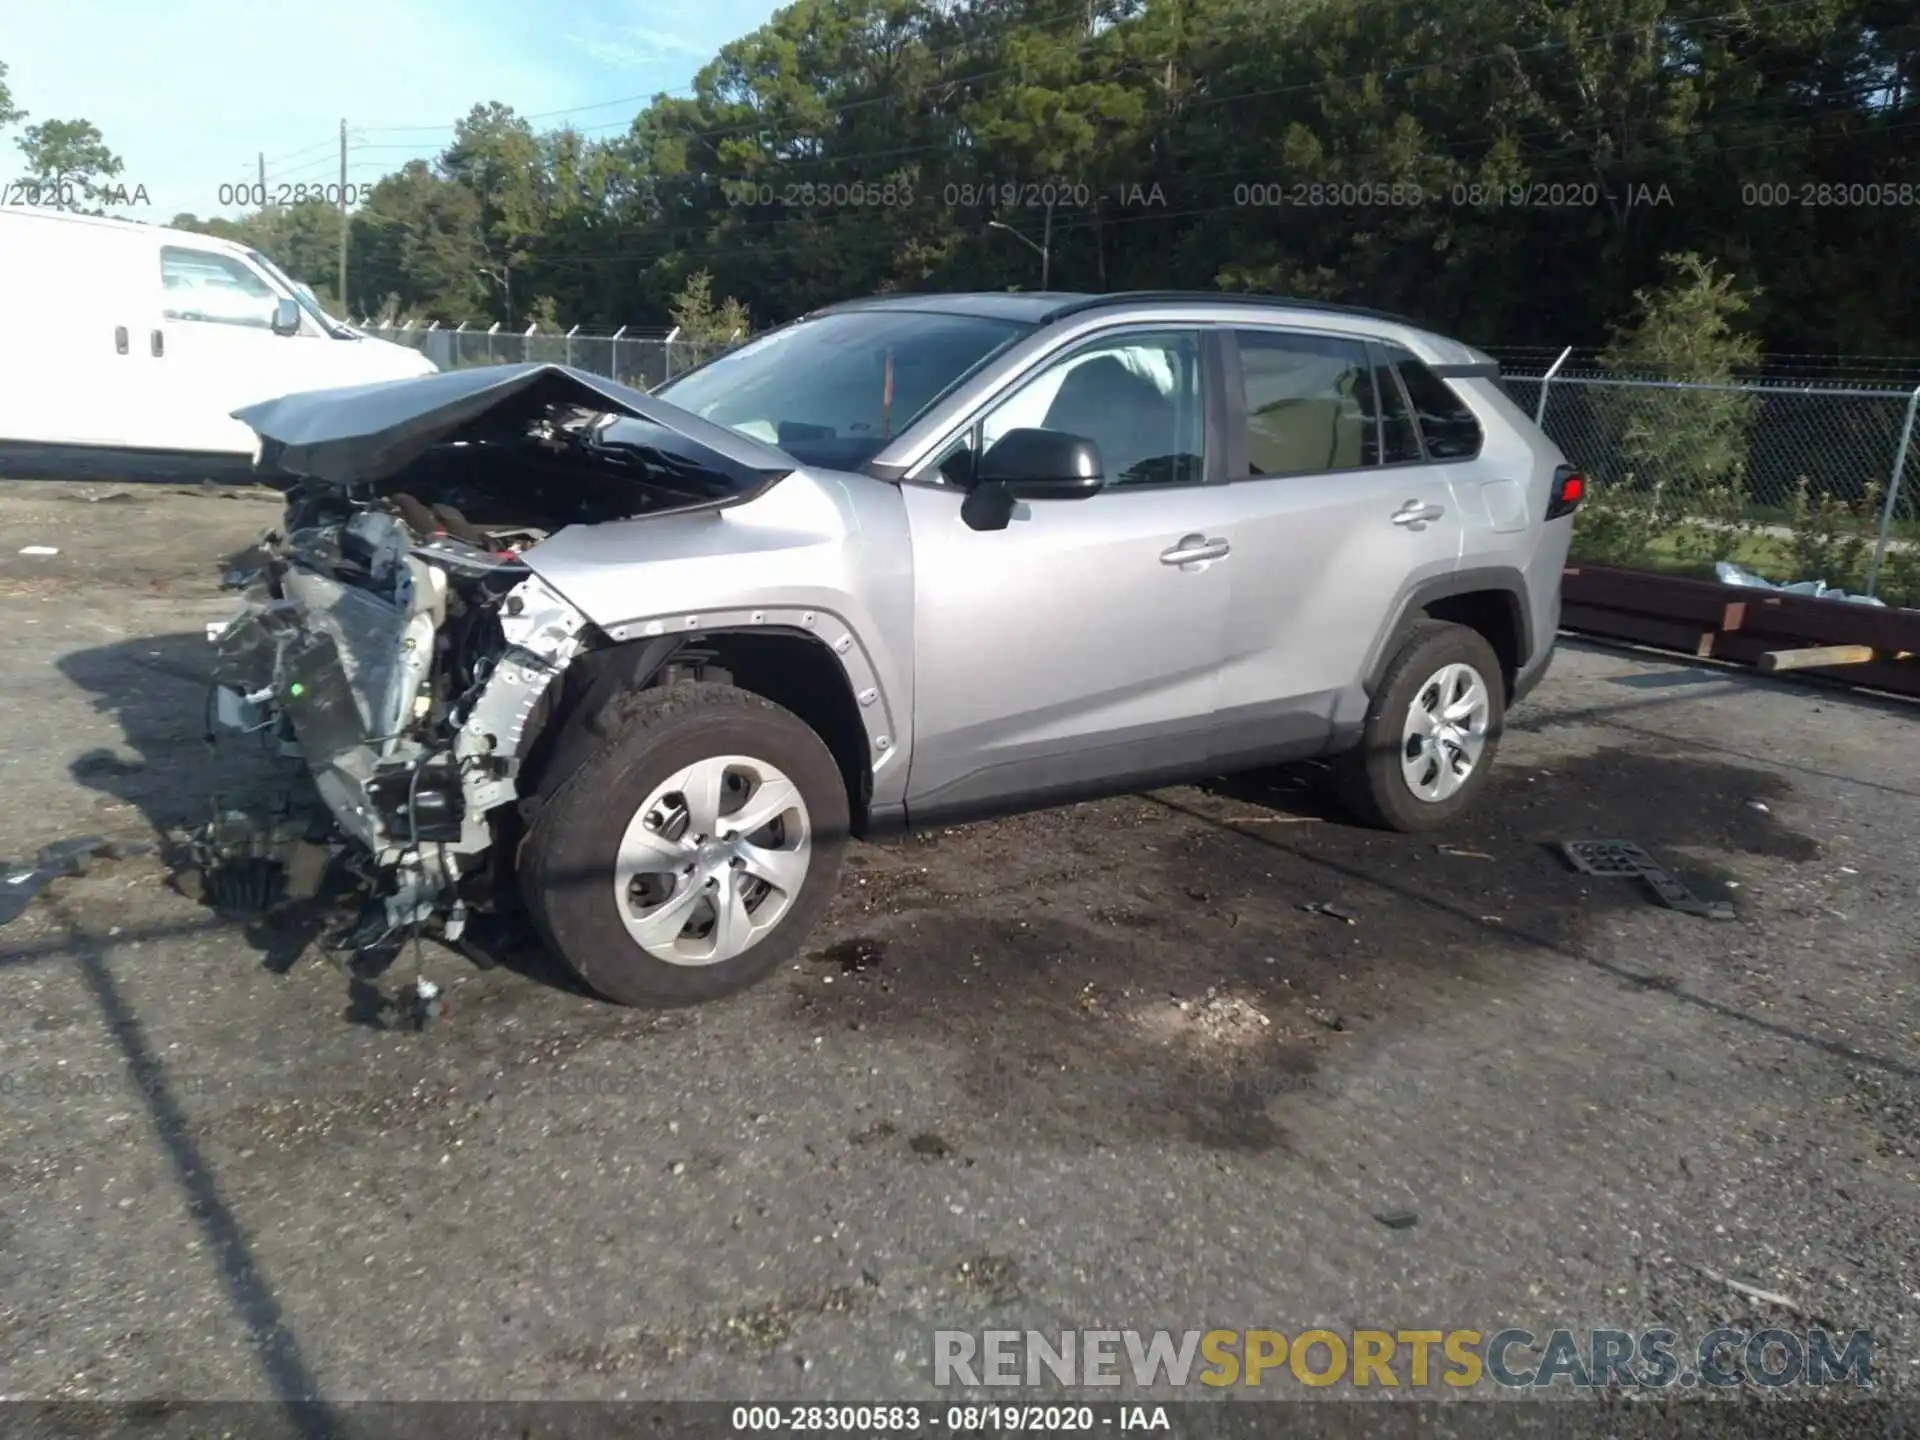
x=1045 y=252
x=265 y=204
x=342 y=294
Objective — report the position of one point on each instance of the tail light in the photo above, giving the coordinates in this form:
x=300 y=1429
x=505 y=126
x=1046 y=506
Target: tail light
x=1569 y=489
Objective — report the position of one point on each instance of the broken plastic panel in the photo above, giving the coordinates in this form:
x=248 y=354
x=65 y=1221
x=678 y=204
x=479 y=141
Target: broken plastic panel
x=1608 y=857
x=21 y=880
x=1622 y=859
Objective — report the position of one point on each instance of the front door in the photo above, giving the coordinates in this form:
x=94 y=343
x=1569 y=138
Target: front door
x=1078 y=649
x=221 y=351
x=1339 y=512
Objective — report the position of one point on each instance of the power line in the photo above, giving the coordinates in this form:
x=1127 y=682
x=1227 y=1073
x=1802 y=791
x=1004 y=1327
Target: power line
x=684 y=90
x=1451 y=62
x=1569 y=164
x=689 y=91
x=976 y=77
x=945 y=145
x=1710 y=125
x=326 y=144
x=720 y=245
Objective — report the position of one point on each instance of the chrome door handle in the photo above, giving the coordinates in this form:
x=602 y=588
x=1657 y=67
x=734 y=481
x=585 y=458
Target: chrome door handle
x=1190 y=548
x=1414 y=515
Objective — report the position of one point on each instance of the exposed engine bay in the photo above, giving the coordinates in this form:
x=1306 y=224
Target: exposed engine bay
x=396 y=640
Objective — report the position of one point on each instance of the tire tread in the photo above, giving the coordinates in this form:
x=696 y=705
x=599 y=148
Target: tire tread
x=631 y=728
x=1369 y=780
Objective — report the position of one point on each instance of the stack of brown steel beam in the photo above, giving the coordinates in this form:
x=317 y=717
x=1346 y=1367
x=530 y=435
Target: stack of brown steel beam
x=1868 y=645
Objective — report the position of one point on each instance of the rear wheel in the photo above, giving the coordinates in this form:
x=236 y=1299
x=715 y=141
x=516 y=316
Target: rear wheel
x=1431 y=731
x=693 y=851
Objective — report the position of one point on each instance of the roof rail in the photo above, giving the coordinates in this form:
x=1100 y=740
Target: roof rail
x=1225 y=297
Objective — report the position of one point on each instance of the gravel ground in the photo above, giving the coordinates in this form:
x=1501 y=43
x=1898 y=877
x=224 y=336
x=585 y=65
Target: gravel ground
x=1094 y=1067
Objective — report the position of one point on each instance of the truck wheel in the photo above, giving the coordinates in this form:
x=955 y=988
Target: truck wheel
x=1431 y=731
x=693 y=851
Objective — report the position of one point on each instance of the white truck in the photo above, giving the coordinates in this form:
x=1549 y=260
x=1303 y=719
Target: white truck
x=121 y=336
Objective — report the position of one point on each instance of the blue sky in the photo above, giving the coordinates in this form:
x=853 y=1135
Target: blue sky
x=189 y=92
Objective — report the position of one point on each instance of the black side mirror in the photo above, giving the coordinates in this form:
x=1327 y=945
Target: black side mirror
x=286 y=317
x=1042 y=465
x=1030 y=465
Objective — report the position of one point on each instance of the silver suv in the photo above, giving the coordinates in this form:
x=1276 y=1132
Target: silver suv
x=645 y=661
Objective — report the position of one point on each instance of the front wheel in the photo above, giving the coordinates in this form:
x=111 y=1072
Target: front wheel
x=1431 y=731
x=693 y=852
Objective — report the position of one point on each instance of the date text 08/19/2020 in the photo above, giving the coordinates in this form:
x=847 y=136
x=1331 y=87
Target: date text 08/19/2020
x=891 y=1419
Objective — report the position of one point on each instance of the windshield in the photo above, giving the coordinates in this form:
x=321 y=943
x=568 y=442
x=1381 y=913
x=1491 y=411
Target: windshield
x=300 y=293
x=835 y=389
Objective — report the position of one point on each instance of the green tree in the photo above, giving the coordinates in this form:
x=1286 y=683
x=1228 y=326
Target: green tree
x=419 y=238
x=1676 y=459
x=1560 y=149
x=10 y=114
x=497 y=158
x=63 y=154
x=1685 y=328
x=304 y=240
x=702 y=321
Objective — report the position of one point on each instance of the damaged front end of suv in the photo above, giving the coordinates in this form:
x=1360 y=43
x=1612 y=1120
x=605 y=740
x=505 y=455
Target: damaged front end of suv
x=397 y=640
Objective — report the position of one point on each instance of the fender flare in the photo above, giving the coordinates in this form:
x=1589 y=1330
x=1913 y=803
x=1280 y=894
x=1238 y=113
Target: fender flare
x=640 y=651
x=1504 y=580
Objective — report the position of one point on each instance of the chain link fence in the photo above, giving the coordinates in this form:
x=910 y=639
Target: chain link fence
x=639 y=361
x=1818 y=479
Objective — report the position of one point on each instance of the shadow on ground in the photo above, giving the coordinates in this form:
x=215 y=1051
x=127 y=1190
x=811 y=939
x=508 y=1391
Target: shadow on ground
x=1166 y=966
x=157 y=689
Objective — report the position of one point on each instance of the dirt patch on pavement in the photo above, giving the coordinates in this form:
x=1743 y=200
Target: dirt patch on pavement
x=1199 y=997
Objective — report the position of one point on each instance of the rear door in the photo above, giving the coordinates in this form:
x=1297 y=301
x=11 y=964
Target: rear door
x=1338 y=511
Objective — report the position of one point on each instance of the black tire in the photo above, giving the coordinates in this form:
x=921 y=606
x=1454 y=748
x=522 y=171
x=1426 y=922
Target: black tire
x=566 y=863
x=1371 y=781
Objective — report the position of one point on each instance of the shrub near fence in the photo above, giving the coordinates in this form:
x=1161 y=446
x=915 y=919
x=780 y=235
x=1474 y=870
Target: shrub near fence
x=1793 y=480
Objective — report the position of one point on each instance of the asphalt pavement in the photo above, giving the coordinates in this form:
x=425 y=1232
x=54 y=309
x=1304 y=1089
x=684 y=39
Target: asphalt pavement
x=1094 y=1067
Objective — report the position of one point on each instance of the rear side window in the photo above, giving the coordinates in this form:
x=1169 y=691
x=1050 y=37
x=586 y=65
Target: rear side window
x=1310 y=403
x=1446 y=424
x=1399 y=438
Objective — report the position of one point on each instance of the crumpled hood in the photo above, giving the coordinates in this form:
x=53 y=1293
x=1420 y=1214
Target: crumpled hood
x=358 y=434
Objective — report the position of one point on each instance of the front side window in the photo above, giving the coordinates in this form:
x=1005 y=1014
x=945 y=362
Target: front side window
x=1446 y=424
x=1138 y=397
x=835 y=389
x=1310 y=403
x=303 y=296
x=206 y=286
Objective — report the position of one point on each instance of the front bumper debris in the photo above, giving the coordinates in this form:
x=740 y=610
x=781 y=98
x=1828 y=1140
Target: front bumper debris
x=407 y=691
x=21 y=880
